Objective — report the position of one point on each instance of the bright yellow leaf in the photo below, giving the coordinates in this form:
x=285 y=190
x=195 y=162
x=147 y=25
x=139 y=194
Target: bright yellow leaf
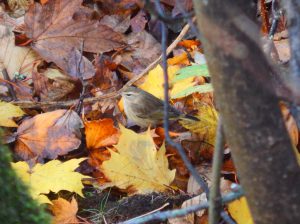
x=207 y=124
x=138 y=165
x=182 y=85
x=52 y=176
x=154 y=83
x=239 y=210
x=7 y=112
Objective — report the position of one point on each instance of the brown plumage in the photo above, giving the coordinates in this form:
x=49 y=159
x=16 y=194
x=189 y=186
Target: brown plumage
x=145 y=110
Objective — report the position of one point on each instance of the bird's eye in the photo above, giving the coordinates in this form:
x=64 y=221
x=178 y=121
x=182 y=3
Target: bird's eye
x=128 y=94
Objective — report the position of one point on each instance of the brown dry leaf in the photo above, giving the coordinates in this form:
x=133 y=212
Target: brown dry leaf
x=145 y=49
x=101 y=133
x=60 y=25
x=48 y=135
x=64 y=211
x=15 y=59
x=117 y=22
x=138 y=22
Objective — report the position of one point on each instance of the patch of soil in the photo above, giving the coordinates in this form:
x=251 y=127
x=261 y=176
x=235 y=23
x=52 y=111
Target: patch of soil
x=110 y=206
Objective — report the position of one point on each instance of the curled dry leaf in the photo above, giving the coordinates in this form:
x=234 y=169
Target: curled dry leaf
x=48 y=135
x=55 y=30
x=101 y=133
x=13 y=58
x=64 y=211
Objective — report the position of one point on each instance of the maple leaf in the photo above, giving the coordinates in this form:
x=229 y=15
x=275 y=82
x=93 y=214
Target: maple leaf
x=7 y=112
x=207 y=124
x=52 y=176
x=60 y=25
x=100 y=133
x=48 y=135
x=138 y=166
x=64 y=211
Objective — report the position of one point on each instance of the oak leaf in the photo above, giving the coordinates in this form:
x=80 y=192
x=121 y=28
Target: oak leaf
x=64 y=211
x=138 y=166
x=7 y=112
x=60 y=25
x=48 y=135
x=52 y=176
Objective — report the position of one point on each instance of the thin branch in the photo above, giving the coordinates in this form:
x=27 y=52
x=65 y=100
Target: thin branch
x=179 y=148
x=215 y=203
x=184 y=211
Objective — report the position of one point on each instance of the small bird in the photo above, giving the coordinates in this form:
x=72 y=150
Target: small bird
x=146 y=110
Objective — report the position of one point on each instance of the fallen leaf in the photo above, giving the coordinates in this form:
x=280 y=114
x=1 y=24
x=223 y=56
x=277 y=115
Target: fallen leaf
x=206 y=126
x=64 y=211
x=49 y=135
x=52 y=176
x=155 y=80
x=239 y=211
x=7 y=112
x=138 y=166
x=60 y=25
x=138 y=22
x=117 y=22
x=136 y=59
x=15 y=59
x=100 y=133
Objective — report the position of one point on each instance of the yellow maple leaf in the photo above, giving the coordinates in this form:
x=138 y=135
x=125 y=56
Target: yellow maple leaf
x=207 y=124
x=52 y=176
x=7 y=112
x=137 y=164
x=154 y=83
x=239 y=210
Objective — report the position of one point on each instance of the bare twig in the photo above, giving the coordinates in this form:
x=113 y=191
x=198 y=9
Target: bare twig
x=179 y=148
x=215 y=205
x=184 y=211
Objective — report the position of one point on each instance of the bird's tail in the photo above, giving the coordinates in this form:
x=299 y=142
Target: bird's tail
x=189 y=117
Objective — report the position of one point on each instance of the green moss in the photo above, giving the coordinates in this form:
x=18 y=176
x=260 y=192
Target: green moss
x=16 y=205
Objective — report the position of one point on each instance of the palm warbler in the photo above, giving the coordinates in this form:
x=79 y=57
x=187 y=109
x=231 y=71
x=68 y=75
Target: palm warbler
x=146 y=110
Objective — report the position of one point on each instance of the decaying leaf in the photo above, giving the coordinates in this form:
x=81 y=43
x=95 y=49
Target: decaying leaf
x=7 y=112
x=60 y=25
x=15 y=59
x=100 y=133
x=52 y=176
x=64 y=211
x=48 y=135
x=138 y=166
